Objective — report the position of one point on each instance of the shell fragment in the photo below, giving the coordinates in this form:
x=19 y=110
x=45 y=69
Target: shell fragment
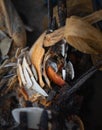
x=34 y=72
x=21 y=74
x=27 y=77
x=37 y=88
x=70 y=70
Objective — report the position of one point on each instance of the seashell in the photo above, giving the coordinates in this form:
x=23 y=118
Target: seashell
x=27 y=77
x=30 y=91
x=63 y=49
x=34 y=72
x=30 y=80
x=10 y=65
x=28 y=58
x=53 y=65
x=64 y=74
x=38 y=88
x=36 y=55
x=25 y=64
x=70 y=70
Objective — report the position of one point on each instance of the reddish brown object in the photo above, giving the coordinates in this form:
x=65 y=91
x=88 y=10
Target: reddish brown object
x=54 y=76
x=24 y=93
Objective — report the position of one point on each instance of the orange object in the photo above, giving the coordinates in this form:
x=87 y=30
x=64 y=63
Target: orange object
x=54 y=76
x=24 y=93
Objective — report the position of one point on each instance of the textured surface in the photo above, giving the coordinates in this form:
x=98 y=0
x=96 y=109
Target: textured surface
x=92 y=106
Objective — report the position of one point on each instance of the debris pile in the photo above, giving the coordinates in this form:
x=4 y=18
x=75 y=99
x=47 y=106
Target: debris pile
x=48 y=74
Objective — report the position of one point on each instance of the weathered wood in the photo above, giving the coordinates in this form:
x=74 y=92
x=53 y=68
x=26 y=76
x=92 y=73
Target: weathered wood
x=83 y=36
x=54 y=37
x=80 y=34
x=94 y=17
x=36 y=54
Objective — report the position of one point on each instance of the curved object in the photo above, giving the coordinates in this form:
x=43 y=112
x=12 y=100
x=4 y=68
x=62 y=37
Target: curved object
x=79 y=34
x=54 y=76
x=36 y=55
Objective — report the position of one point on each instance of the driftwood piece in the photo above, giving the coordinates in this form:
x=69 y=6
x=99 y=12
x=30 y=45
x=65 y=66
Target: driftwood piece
x=13 y=23
x=53 y=38
x=36 y=54
x=94 y=17
x=46 y=57
x=82 y=36
x=79 y=34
